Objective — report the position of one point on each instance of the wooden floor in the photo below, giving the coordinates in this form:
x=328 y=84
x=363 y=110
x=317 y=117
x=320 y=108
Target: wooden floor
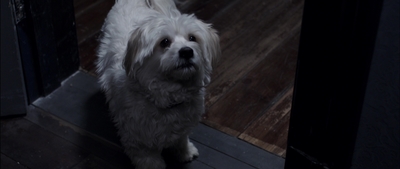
x=71 y=128
x=251 y=91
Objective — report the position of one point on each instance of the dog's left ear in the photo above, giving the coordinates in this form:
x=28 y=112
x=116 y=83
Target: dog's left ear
x=211 y=49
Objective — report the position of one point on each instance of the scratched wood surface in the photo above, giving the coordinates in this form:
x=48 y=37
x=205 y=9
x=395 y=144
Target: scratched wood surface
x=251 y=89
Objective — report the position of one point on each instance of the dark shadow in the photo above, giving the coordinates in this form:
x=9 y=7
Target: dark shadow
x=98 y=119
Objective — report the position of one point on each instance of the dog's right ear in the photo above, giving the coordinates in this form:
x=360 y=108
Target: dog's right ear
x=130 y=53
x=138 y=48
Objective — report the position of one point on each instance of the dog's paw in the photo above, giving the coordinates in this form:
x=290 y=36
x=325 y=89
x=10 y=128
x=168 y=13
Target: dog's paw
x=191 y=153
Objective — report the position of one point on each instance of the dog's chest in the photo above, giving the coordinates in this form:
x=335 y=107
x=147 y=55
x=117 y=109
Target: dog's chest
x=179 y=117
x=175 y=122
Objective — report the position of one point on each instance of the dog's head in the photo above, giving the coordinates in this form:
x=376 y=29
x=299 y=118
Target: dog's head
x=179 y=48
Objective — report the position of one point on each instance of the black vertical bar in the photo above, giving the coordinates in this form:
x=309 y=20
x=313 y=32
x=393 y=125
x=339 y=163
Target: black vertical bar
x=63 y=19
x=46 y=43
x=13 y=98
x=28 y=51
x=336 y=47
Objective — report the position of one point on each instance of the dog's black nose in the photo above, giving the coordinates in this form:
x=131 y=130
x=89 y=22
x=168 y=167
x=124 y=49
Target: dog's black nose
x=186 y=53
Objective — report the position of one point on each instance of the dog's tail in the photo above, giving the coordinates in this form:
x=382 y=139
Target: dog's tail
x=166 y=7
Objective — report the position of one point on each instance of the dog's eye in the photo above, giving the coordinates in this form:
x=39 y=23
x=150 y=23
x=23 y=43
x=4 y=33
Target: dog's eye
x=165 y=43
x=192 y=38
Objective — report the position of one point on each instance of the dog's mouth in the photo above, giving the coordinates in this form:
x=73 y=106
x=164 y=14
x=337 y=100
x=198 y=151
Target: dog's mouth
x=185 y=65
x=184 y=70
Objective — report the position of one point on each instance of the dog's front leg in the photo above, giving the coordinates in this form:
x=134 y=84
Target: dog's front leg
x=184 y=150
x=146 y=158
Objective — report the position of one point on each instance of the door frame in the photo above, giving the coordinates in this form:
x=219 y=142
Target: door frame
x=336 y=47
x=13 y=94
x=48 y=43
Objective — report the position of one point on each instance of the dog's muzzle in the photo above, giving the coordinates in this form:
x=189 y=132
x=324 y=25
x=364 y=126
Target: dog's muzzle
x=185 y=55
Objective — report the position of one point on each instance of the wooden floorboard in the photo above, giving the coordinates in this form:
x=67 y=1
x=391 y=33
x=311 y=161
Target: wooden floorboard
x=207 y=10
x=31 y=146
x=241 y=16
x=256 y=91
x=88 y=118
x=87 y=53
x=230 y=145
x=93 y=162
x=235 y=99
x=90 y=20
x=248 y=50
x=63 y=145
x=88 y=103
x=98 y=146
x=7 y=162
x=270 y=130
x=251 y=74
x=81 y=6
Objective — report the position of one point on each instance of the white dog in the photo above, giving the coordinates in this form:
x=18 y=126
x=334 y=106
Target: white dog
x=153 y=64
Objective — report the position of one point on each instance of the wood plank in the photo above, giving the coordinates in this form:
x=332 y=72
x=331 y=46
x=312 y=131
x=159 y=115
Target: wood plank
x=241 y=14
x=210 y=9
x=257 y=91
x=63 y=129
x=218 y=160
x=88 y=103
x=235 y=148
x=91 y=20
x=89 y=122
x=103 y=152
x=250 y=49
x=244 y=17
x=8 y=163
x=190 y=6
x=80 y=6
x=93 y=162
x=34 y=147
x=271 y=129
x=196 y=164
x=87 y=53
x=98 y=146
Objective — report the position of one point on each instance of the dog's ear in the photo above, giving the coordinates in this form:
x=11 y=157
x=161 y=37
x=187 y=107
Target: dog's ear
x=213 y=46
x=131 y=52
x=211 y=49
x=137 y=49
x=166 y=7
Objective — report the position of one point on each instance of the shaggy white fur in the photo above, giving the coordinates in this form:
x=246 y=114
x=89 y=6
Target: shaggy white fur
x=153 y=64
